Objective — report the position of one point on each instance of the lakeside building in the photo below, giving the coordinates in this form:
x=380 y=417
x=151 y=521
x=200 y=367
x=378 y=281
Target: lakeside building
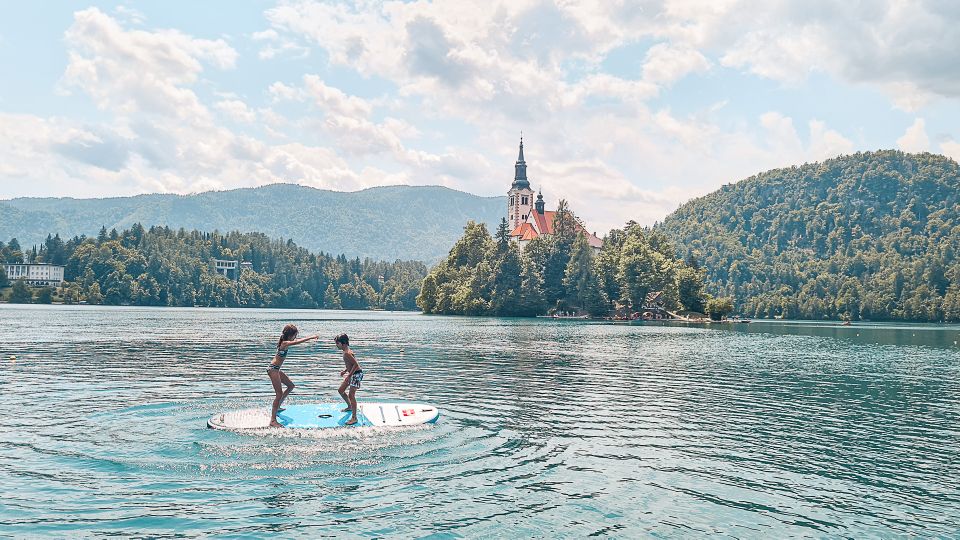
x=36 y=275
x=227 y=268
x=528 y=218
x=231 y=269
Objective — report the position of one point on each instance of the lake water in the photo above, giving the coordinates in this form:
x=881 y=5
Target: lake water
x=549 y=428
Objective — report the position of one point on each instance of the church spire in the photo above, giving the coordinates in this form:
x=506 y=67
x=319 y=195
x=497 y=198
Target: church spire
x=520 y=178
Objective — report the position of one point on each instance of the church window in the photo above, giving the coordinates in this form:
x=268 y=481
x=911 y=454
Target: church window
x=524 y=199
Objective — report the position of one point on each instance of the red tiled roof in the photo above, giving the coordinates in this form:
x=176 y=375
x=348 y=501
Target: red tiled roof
x=525 y=231
x=544 y=224
x=544 y=221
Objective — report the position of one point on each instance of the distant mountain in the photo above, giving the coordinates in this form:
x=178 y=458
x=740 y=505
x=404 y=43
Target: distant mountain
x=383 y=223
x=871 y=235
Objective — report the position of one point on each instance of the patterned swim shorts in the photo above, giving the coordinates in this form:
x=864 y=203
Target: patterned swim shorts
x=356 y=378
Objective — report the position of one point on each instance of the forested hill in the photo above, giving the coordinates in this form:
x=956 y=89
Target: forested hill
x=383 y=223
x=871 y=235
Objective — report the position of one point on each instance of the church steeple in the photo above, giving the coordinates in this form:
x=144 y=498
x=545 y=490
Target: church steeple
x=539 y=204
x=520 y=178
x=520 y=196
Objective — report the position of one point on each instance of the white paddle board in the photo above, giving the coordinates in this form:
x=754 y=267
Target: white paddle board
x=327 y=415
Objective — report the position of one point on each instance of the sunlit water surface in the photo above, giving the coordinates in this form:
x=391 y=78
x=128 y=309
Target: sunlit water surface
x=549 y=428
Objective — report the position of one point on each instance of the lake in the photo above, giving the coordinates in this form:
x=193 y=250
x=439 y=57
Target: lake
x=549 y=428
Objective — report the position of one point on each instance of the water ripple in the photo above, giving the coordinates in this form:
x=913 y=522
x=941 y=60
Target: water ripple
x=549 y=428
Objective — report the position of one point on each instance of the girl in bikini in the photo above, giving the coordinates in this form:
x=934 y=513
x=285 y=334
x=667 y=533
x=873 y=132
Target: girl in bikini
x=288 y=338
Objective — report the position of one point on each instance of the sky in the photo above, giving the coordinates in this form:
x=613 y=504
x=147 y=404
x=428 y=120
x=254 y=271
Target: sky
x=627 y=109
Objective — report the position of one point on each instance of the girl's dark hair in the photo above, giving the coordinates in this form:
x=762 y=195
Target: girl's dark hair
x=342 y=338
x=288 y=332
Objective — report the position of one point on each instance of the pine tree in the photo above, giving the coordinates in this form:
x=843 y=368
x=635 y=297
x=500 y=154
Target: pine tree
x=532 y=300
x=565 y=228
x=561 y=242
x=579 y=280
x=507 y=284
x=474 y=292
x=4 y=280
x=502 y=237
x=427 y=299
x=330 y=298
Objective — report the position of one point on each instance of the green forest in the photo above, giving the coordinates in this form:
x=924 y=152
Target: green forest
x=382 y=223
x=490 y=275
x=867 y=236
x=165 y=267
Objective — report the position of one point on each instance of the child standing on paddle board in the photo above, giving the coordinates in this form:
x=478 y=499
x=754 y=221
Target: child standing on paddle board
x=288 y=338
x=352 y=375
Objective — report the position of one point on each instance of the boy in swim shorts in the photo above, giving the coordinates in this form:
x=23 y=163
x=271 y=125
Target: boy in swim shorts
x=352 y=375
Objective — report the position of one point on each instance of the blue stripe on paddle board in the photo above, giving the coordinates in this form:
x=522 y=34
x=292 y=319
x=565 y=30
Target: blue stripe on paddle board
x=317 y=416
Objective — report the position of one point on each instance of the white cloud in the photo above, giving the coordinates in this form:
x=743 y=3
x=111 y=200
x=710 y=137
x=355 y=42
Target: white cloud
x=129 y=15
x=780 y=133
x=282 y=92
x=504 y=66
x=266 y=35
x=236 y=110
x=461 y=79
x=906 y=48
x=826 y=143
x=667 y=63
x=275 y=45
x=162 y=137
x=915 y=139
x=138 y=71
x=334 y=100
x=951 y=149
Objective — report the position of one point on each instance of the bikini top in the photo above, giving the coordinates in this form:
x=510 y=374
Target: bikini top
x=282 y=353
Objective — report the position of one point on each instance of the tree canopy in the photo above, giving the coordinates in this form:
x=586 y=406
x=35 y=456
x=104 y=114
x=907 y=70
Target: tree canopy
x=165 y=267
x=871 y=235
x=484 y=275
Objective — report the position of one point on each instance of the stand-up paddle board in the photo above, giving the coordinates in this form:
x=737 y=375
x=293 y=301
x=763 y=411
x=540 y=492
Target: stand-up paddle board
x=327 y=415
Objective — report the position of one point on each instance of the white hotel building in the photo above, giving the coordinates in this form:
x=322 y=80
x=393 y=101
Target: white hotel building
x=38 y=275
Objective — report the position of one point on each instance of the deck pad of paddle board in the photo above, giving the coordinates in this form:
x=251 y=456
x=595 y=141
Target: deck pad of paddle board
x=327 y=415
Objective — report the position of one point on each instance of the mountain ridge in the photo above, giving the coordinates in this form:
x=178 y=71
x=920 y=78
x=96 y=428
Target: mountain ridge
x=382 y=222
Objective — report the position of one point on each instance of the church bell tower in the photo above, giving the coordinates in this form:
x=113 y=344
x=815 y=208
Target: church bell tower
x=520 y=196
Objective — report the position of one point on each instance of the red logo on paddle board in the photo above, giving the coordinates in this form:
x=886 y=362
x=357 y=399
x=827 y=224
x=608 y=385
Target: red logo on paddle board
x=409 y=412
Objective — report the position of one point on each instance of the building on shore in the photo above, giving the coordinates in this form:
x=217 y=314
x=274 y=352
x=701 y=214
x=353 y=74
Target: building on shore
x=36 y=275
x=227 y=268
x=529 y=219
x=231 y=269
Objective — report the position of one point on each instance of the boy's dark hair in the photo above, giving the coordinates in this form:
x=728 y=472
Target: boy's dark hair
x=342 y=338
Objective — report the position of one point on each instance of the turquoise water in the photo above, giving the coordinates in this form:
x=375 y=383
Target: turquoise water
x=549 y=428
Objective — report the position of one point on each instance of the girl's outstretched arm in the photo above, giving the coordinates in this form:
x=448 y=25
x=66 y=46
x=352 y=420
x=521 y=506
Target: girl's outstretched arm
x=286 y=344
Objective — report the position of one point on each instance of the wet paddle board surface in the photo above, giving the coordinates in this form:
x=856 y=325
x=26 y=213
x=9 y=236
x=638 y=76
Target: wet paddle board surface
x=327 y=415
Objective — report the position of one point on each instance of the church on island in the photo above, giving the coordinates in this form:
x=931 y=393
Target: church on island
x=527 y=218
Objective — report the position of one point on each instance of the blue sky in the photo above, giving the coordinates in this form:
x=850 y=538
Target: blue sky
x=628 y=109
